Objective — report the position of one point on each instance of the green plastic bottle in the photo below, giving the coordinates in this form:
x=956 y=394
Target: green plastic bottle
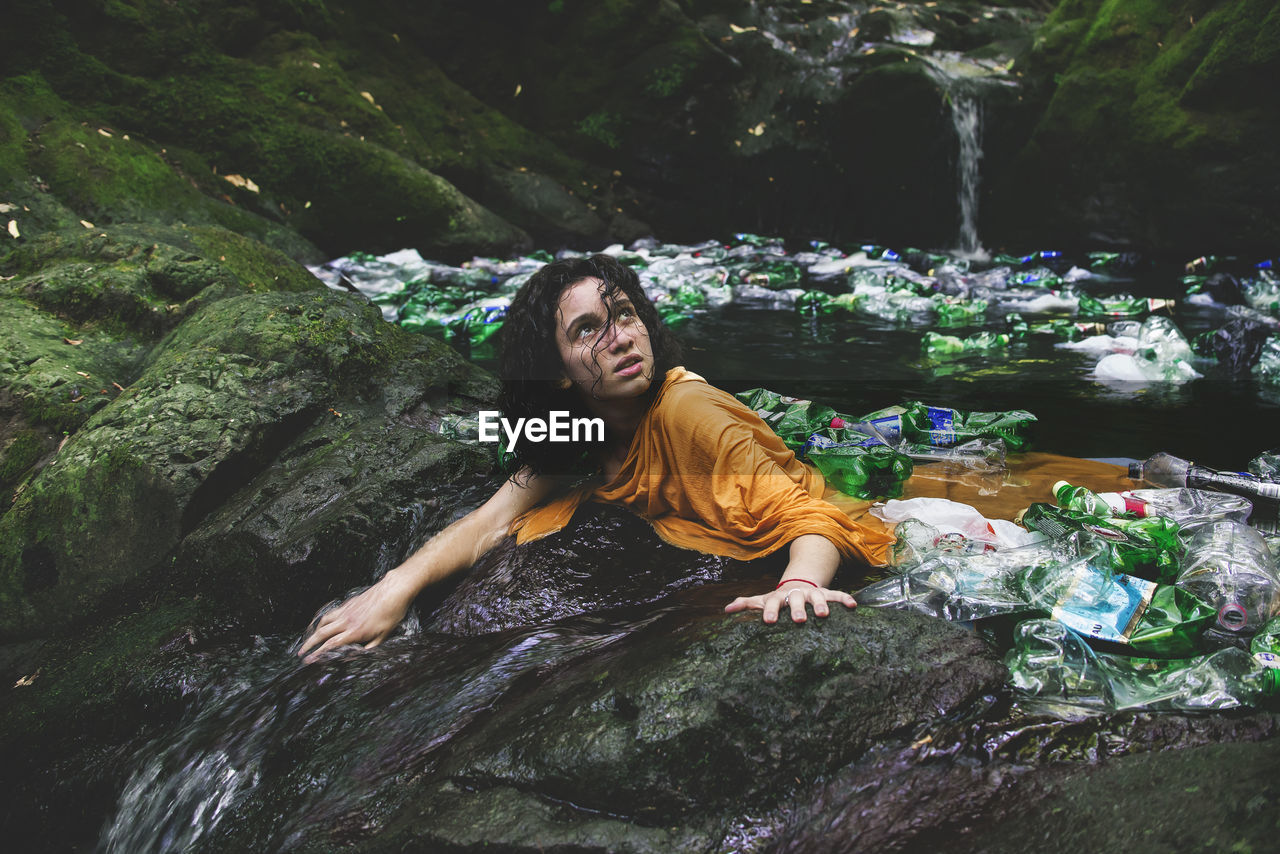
x=935 y=345
x=954 y=312
x=866 y=469
x=1157 y=620
x=1067 y=330
x=1265 y=649
x=1121 y=305
x=1146 y=547
x=943 y=426
x=814 y=302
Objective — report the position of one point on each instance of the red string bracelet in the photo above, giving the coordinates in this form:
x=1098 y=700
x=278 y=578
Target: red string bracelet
x=802 y=580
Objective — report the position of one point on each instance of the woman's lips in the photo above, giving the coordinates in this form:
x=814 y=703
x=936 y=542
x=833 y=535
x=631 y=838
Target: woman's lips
x=630 y=367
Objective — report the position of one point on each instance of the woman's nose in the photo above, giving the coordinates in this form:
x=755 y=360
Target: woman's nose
x=620 y=336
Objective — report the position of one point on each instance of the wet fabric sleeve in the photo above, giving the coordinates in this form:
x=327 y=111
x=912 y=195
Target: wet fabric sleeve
x=709 y=475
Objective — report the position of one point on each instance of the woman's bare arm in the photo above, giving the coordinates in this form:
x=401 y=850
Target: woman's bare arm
x=369 y=617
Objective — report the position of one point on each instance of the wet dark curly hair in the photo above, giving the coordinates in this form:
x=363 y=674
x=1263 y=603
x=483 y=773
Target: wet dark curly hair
x=529 y=360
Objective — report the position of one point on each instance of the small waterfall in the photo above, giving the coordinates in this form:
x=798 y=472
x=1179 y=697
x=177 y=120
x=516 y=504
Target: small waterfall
x=966 y=118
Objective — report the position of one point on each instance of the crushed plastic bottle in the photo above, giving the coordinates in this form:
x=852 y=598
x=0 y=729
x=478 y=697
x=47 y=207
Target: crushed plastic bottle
x=983 y=456
x=958 y=312
x=1147 y=617
x=1228 y=566
x=937 y=346
x=944 y=427
x=1267 y=367
x=917 y=540
x=962 y=585
x=1122 y=305
x=1059 y=578
x=1160 y=354
x=955 y=517
x=1056 y=671
x=1148 y=547
x=866 y=469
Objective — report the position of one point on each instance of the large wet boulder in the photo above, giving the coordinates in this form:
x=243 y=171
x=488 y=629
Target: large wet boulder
x=147 y=382
x=671 y=729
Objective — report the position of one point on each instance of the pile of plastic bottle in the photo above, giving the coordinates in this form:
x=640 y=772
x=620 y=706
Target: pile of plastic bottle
x=1155 y=598
x=1134 y=339
x=871 y=456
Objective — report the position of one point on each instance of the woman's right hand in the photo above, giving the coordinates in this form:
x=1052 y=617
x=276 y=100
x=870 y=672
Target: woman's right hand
x=367 y=618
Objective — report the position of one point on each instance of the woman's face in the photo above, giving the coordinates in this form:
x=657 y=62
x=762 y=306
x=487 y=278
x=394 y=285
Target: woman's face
x=604 y=346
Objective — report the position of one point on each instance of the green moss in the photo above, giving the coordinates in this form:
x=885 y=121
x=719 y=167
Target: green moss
x=604 y=127
x=64 y=541
x=82 y=683
x=20 y=455
x=256 y=265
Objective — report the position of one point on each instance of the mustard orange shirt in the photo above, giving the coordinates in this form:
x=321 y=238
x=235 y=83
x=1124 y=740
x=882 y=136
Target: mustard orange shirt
x=710 y=475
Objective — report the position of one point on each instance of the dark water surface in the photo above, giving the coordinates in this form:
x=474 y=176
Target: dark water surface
x=858 y=364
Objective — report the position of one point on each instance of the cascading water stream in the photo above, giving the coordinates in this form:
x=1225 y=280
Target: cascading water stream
x=966 y=117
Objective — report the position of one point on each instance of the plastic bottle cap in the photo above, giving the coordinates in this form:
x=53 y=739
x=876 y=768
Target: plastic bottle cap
x=1058 y=486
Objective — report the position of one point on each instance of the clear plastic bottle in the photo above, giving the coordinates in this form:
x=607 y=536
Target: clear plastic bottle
x=1190 y=508
x=1169 y=471
x=1228 y=566
x=1055 y=670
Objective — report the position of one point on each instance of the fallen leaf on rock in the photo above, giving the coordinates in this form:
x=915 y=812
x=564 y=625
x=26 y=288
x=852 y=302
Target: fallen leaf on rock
x=738 y=29
x=5 y=207
x=13 y=229
x=86 y=223
x=64 y=441
x=117 y=385
x=77 y=398
x=26 y=681
x=83 y=374
x=336 y=412
x=241 y=181
x=74 y=342
x=367 y=96
x=104 y=131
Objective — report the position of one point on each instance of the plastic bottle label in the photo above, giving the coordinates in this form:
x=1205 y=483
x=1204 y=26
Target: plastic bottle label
x=889 y=426
x=1109 y=610
x=941 y=421
x=1267 y=659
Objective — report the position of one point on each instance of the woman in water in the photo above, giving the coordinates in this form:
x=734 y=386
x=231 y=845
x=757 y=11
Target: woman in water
x=582 y=337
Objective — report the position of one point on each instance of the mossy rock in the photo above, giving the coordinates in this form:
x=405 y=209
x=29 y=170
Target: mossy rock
x=216 y=402
x=84 y=308
x=1152 y=128
x=104 y=175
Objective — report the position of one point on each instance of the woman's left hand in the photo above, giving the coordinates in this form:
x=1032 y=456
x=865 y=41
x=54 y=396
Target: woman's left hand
x=792 y=598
